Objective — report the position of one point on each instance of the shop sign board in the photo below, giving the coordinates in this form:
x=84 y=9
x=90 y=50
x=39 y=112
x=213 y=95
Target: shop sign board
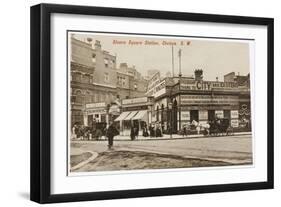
x=154 y=80
x=96 y=111
x=234 y=123
x=207 y=85
x=134 y=100
x=209 y=99
x=157 y=89
x=234 y=114
x=96 y=105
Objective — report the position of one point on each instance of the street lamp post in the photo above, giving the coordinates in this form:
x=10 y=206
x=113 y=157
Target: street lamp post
x=107 y=118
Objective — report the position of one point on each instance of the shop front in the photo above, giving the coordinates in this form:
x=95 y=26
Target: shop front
x=204 y=108
x=135 y=114
x=95 y=113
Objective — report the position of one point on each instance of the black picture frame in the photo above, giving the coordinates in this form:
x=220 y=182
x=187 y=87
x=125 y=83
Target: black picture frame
x=41 y=96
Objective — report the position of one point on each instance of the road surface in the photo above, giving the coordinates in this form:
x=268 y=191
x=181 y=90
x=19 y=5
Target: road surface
x=233 y=149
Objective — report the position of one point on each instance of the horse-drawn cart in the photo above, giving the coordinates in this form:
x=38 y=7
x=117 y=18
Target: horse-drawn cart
x=220 y=127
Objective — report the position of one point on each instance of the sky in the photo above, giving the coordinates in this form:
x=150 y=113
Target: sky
x=215 y=57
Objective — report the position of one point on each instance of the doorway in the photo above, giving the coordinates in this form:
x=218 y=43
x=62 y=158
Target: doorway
x=211 y=115
x=194 y=115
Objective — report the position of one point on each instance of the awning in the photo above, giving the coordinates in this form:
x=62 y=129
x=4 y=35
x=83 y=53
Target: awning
x=131 y=115
x=122 y=116
x=141 y=115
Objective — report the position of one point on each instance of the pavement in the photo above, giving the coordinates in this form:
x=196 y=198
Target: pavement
x=236 y=149
x=166 y=137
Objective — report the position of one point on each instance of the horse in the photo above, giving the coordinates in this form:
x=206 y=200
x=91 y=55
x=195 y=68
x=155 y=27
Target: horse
x=200 y=126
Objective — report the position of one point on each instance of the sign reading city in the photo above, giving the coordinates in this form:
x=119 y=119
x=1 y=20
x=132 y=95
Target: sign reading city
x=206 y=85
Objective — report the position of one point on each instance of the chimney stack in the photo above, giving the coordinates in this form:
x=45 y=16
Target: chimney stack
x=198 y=74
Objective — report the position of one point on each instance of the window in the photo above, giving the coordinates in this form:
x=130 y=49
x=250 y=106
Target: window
x=85 y=78
x=88 y=97
x=102 y=97
x=135 y=86
x=94 y=98
x=94 y=58
x=97 y=97
x=73 y=99
x=76 y=77
x=106 y=62
x=106 y=97
x=106 y=77
x=119 y=80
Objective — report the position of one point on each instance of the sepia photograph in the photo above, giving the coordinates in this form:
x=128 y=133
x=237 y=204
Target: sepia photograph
x=128 y=103
x=153 y=102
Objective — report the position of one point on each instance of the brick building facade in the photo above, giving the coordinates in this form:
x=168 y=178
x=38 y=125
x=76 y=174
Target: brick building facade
x=95 y=80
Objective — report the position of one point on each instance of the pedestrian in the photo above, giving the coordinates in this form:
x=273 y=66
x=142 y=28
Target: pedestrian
x=185 y=130
x=151 y=130
x=132 y=133
x=75 y=131
x=110 y=133
x=145 y=132
x=80 y=132
x=136 y=131
x=158 y=131
x=98 y=134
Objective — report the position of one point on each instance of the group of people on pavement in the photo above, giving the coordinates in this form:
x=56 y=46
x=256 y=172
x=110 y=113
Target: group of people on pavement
x=155 y=130
x=81 y=132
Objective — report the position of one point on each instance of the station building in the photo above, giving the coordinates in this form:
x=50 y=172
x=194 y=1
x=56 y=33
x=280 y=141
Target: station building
x=176 y=101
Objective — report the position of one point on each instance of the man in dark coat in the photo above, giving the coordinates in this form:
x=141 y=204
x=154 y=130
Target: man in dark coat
x=151 y=130
x=132 y=133
x=110 y=133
